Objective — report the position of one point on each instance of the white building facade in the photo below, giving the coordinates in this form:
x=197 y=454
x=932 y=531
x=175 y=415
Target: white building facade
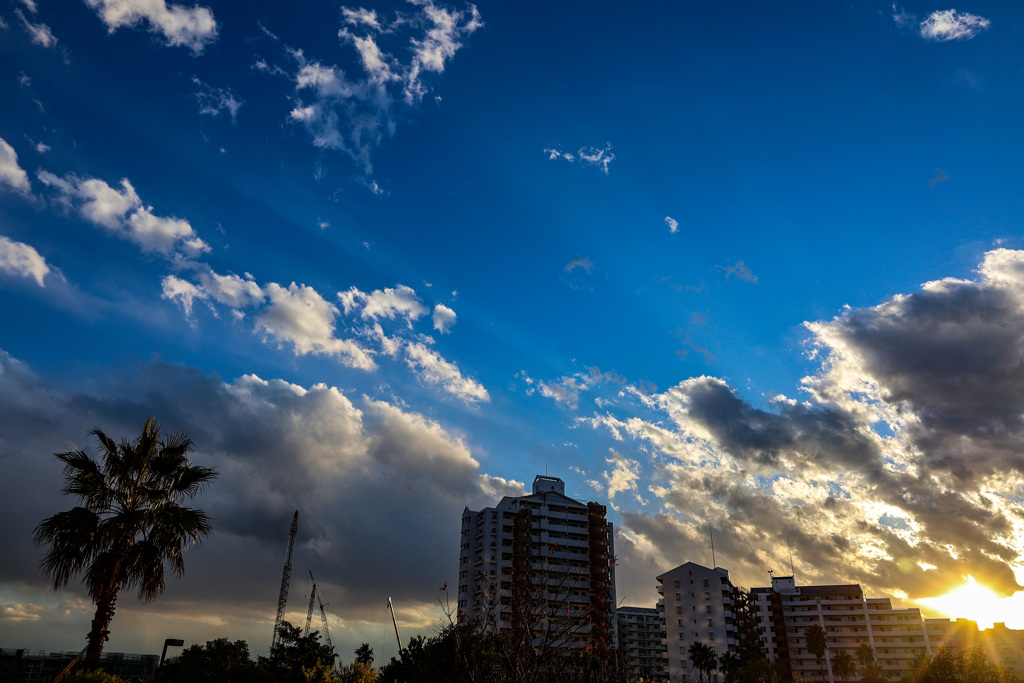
x=542 y=563
x=786 y=611
x=697 y=605
x=642 y=650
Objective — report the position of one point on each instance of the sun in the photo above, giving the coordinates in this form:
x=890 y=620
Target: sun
x=972 y=601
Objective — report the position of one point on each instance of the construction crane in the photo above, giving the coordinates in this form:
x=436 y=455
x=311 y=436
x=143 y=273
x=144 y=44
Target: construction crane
x=309 y=612
x=286 y=578
x=323 y=620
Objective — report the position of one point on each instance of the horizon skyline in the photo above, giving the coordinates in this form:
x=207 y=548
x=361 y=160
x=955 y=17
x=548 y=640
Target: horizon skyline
x=753 y=266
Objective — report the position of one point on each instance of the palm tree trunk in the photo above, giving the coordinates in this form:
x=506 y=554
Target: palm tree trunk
x=100 y=626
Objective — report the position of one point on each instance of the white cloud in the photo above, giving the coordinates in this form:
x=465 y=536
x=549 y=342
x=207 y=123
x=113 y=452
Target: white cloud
x=11 y=173
x=182 y=291
x=123 y=213
x=431 y=368
x=299 y=315
x=624 y=475
x=593 y=156
x=673 y=224
x=361 y=16
x=213 y=101
x=439 y=44
x=30 y=5
x=40 y=34
x=231 y=290
x=566 y=390
x=355 y=112
x=949 y=24
x=444 y=318
x=42 y=147
x=21 y=259
x=387 y=303
x=180 y=26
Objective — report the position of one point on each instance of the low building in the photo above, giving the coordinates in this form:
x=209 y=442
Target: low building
x=641 y=637
x=896 y=636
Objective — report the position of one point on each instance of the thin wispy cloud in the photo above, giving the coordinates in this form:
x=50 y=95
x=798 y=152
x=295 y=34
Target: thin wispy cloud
x=354 y=114
x=582 y=262
x=673 y=224
x=190 y=27
x=942 y=25
x=739 y=271
x=214 y=101
x=38 y=33
x=592 y=156
x=952 y=25
x=940 y=177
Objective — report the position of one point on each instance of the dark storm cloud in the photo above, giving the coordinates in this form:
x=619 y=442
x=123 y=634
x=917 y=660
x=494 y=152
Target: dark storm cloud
x=378 y=489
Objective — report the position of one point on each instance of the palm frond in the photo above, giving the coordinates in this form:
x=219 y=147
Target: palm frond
x=73 y=539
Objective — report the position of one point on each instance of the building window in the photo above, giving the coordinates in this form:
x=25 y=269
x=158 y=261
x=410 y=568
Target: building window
x=679 y=609
x=679 y=596
x=709 y=622
x=711 y=636
x=707 y=608
x=707 y=596
x=705 y=583
x=677 y=583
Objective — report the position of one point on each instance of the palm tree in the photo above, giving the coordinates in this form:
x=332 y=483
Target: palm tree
x=703 y=659
x=131 y=521
x=817 y=644
x=843 y=665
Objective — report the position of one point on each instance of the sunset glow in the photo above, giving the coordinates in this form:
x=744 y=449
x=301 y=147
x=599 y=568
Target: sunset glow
x=979 y=603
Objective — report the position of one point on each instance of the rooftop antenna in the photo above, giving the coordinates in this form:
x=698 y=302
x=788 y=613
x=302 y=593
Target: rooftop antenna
x=711 y=533
x=791 y=570
x=771 y=573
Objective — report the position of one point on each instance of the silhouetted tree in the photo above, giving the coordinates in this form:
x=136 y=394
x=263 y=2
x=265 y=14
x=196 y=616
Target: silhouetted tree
x=952 y=665
x=131 y=521
x=364 y=654
x=293 y=654
x=843 y=665
x=703 y=659
x=817 y=644
x=219 y=661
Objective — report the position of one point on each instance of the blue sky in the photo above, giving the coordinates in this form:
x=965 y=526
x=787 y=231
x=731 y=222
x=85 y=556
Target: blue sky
x=732 y=262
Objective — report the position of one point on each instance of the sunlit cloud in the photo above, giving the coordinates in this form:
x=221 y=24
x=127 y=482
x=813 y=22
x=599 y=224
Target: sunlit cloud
x=180 y=26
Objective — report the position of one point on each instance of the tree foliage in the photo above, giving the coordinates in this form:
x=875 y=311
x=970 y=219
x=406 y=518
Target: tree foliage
x=219 y=661
x=953 y=665
x=130 y=522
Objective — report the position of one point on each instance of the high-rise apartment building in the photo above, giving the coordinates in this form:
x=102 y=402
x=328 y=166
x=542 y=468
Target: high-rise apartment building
x=642 y=651
x=541 y=564
x=698 y=605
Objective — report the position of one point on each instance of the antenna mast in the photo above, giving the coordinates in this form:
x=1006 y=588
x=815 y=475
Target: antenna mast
x=286 y=578
x=711 y=533
x=791 y=570
x=395 y=622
